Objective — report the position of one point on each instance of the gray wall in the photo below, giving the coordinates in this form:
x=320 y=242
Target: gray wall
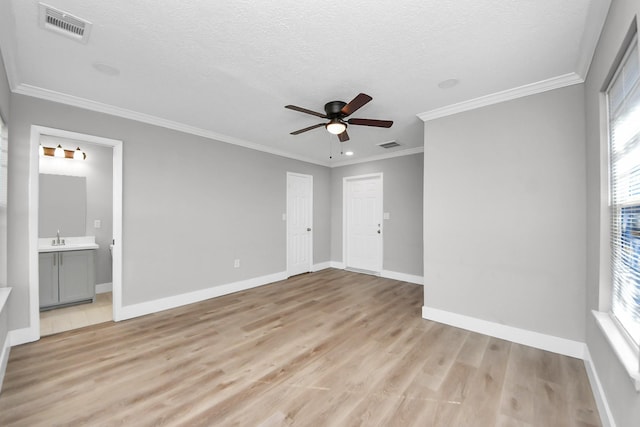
x=191 y=206
x=402 y=193
x=622 y=397
x=5 y=92
x=62 y=205
x=97 y=168
x=4 y=312
x=504 y=213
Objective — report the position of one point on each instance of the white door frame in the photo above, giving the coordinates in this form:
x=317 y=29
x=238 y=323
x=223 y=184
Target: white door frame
x=311 y=219
x=345 y=180
x=34 y=182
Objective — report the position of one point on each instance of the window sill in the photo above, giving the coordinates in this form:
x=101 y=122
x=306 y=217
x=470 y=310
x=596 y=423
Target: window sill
x=627 y=356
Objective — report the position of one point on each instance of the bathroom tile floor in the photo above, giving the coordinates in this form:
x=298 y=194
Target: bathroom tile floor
x=77 y=316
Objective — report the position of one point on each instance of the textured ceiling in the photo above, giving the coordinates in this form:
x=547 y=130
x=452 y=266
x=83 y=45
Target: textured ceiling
x=227 y=69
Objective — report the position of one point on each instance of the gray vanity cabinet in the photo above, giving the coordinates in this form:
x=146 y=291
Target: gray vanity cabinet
x=66 y=277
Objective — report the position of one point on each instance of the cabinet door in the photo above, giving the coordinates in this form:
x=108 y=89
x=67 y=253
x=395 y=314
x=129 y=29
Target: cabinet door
x=76 y=276
x=48 y=266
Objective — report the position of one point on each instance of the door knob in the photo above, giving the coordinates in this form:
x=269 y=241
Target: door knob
x=308 y=228
x=378 y=231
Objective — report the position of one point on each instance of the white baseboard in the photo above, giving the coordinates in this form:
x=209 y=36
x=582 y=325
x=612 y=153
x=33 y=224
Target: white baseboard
x=509 y=333
x=606 y=417
x=4 y=358
x=102 y=288
x=321 y=266
x=24 y=335
x=387 y=274
x=409 y=278
x=144 y=308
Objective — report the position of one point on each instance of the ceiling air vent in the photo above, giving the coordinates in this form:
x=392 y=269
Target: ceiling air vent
x=389 y=144
x=64 y=23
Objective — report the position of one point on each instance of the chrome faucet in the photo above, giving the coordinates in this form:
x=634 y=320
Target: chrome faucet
x=57 y=241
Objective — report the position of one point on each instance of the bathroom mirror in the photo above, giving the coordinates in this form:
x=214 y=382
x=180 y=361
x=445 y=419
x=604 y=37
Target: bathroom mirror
x=63 y=205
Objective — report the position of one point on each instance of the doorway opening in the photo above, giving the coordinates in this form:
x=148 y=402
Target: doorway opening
x=111 y=246
x=362 y=235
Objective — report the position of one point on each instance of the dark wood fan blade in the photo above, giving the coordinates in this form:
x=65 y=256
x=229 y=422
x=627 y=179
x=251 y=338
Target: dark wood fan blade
x=304 y=110
x=371 y=122
x=306 y=129
x=355 y=104
x=343 y=137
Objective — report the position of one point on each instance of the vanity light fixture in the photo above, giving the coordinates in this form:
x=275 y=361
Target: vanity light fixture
x=79 y=155
x=60 y=152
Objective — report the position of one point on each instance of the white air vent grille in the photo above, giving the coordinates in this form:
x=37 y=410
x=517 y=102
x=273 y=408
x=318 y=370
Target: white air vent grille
x=389 y=144
x=64 y=23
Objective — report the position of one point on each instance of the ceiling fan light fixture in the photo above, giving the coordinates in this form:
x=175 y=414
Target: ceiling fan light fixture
x=336 y=127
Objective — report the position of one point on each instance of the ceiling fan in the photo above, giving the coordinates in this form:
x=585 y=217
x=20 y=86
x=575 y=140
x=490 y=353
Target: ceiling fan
x=336 y=112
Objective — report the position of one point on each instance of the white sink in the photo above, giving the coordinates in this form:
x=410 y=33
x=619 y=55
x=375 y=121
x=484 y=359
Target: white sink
x=71 y=244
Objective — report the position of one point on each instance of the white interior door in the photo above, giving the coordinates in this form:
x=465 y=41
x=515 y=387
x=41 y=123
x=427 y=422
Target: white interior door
x=299 y=223
x=363 y=222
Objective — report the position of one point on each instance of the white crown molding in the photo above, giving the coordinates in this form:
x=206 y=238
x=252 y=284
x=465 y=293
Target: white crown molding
x=596 y=17
x=506 y=95
x=49 y=95
x=399 y=153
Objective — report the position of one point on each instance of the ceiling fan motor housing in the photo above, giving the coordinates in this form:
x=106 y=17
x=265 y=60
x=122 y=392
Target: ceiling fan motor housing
x=333 y=109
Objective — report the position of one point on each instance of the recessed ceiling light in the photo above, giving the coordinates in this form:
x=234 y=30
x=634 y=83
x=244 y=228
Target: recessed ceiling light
x=106 y=69
x=448 y=84
x=348 y=153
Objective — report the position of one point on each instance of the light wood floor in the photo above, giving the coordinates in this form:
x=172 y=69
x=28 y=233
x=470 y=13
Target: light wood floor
x=76 y=316
x=331 y=348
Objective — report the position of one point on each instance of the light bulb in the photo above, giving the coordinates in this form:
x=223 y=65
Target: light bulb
x=78 y=154
x=59 y=152
x=336 y=127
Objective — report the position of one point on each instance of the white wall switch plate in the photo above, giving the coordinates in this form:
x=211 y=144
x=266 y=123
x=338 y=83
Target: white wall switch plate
x=236 y=263
x=386 y=215
x=97 y=223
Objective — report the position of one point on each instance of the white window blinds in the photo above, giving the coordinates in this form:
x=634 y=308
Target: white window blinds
x=624 y=176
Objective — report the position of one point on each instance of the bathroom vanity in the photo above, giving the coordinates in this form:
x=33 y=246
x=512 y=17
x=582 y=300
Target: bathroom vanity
x=67 y=271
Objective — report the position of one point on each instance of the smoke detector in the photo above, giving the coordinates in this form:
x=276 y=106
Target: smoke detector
x=63 y=23
x=388 y=144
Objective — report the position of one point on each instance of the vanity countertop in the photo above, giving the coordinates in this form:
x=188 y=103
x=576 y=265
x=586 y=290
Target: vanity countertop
x=71 y=244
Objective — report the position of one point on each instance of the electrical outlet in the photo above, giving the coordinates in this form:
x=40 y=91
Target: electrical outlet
x=236 y=263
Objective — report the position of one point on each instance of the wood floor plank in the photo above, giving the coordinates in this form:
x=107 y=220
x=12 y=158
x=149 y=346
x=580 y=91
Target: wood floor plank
x=518 y=392
x=331 y=348
x=480 y=407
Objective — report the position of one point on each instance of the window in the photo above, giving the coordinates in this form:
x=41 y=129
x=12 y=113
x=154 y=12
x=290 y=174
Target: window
x=623 y=98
